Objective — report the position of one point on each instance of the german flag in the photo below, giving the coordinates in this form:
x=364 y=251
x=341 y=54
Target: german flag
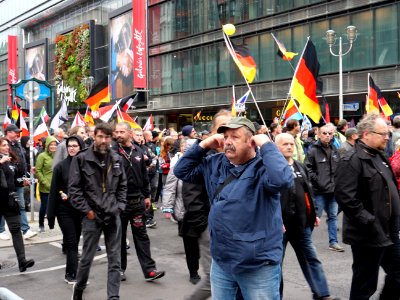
x=292 y=112
x=304 y=83
x=15 y=112
x=282 y=52
x=99 y=94
x=124 y=117
x=245 y=62
x=375 y=99
x=88 y=118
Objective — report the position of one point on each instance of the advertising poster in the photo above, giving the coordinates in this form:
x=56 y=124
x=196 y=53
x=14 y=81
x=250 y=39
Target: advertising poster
x=35 y=62
x=121 y=55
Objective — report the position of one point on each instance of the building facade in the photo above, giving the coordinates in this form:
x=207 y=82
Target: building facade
x=189 y=67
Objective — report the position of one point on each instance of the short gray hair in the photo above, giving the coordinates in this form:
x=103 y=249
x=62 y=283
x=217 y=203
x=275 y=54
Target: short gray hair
x=368 y=123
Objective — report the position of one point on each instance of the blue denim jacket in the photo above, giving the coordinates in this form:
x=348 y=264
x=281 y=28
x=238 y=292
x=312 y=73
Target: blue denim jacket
x=245 y=220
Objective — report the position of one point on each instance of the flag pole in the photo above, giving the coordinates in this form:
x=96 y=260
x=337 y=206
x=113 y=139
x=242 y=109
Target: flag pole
x=285 y=107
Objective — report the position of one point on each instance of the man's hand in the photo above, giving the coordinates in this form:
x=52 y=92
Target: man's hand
x=26 y=182
x=317 y=222
x=147 y=203
x=260 y=139
x=91 y=215
x=213 y=142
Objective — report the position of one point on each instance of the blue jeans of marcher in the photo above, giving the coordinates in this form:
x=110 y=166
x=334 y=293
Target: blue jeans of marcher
x=328 y=203
x=43 y=208
x=307 y=257
x=92 y=230
x=24 y=221
x=2 y=224
x=259 y=284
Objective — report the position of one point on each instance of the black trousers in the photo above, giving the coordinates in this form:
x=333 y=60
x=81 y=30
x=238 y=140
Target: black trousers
x=14 y=225
x=192 y=251
x=366 y=263
x=134 y=214
x=71 y=227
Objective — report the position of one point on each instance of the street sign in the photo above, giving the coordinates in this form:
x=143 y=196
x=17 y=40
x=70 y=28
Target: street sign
x=351 y=106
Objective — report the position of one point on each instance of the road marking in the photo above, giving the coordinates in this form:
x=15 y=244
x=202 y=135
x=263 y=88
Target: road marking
x=51 y=268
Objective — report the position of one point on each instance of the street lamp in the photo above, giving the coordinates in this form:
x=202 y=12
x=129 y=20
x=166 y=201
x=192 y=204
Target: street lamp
x=331 y=39
x=88 y=83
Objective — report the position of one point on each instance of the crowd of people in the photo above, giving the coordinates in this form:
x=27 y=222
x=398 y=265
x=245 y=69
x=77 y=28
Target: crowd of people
x=239 y=194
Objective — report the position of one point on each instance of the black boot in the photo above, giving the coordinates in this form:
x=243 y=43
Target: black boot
x=77 y=294
x=25 y=264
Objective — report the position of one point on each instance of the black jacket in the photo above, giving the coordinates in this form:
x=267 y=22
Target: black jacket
x=7 y=202
x=197 y=207
x=59 y=182
x=136 y=171
x=295 y=214
x=366 y=190
x=321 y=168
x=22 y=167
x=92 y=189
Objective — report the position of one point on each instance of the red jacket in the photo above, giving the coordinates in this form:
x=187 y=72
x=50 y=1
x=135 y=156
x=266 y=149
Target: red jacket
x=395 y=163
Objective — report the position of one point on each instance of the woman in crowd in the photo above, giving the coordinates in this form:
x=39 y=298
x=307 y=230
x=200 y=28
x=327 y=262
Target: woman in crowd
x=176 y=204
x=164 y=161
x=59 y=206
x=44 y=173
x=9 y=207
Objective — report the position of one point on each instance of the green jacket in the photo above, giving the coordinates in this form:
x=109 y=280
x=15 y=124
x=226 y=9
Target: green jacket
x=44 y=171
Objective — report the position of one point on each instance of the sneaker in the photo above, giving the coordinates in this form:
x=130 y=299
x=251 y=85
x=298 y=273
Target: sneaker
x=154 y=206
x=195 y=278
x=76 y=294
x=336 y=247
x=69 y=279
x=153 y=275
x=4 y=236
x=173 y=220
x=150 y=223
x=98 y=248
x=26 y=264
x=29 y=234
x=122 y=276
x=127 y=244
x=41 y=229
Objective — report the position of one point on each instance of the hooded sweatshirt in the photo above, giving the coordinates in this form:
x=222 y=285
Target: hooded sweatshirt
x=44 y=171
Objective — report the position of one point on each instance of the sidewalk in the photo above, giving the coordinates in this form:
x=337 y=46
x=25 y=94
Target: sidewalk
x=45 y=237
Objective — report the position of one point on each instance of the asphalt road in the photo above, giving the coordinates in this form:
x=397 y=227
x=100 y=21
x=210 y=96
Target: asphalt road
x=45 y=279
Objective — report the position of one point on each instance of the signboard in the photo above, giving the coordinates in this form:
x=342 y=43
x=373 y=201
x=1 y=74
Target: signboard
x=139 y=44
x=351 y=106
x=12 y=64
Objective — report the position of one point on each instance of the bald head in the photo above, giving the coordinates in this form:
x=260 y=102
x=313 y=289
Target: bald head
x=285 y=144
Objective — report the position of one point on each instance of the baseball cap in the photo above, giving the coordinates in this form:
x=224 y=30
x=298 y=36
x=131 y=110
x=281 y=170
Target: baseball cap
x=12 y=127
x=237 y=122
x=187 y=130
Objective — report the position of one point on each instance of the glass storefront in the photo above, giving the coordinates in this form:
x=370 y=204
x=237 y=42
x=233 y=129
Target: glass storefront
x=210 y=66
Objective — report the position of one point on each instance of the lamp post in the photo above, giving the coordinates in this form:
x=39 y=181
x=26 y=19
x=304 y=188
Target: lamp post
x=331 y=40
x=88 y=83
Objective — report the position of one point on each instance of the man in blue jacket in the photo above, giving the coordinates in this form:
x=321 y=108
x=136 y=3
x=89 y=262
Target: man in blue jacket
x=245 y=221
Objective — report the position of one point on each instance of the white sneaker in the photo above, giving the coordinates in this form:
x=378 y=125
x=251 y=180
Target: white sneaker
x=4 y=236
x=29 y=234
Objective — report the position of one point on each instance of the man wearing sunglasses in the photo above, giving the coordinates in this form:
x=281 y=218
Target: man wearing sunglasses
x=321 y=161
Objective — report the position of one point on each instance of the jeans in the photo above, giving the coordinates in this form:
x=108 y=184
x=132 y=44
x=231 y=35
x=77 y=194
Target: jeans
x=24 y=221
x=328 y=203
x=258 y=284
x=2 y=225
x=14 y=225
x=112 y=236
x=43 y=208
x=71 y=227
x=135 y=216
x=308 y=260
x=203 y=290
x=366 y=263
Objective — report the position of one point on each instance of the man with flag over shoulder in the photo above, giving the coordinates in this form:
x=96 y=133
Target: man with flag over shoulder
x=245 y=222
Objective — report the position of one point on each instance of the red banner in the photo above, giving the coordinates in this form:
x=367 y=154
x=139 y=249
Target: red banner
x=12 y=64
x=139 y=44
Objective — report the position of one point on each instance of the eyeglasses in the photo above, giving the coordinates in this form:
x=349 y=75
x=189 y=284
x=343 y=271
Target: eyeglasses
x=327 y=133
x=384 y=134
x=73 y=146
